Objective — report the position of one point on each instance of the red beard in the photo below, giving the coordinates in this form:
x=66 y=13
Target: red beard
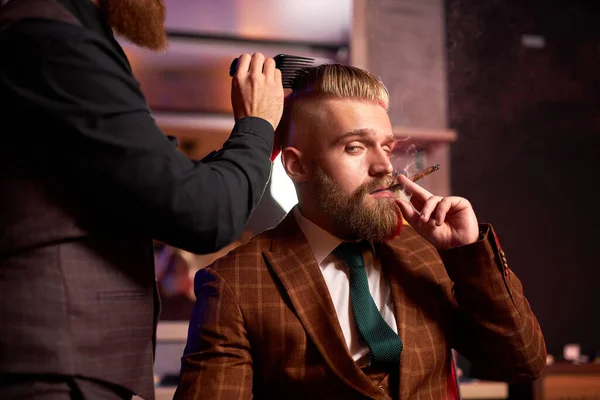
x=140 y=21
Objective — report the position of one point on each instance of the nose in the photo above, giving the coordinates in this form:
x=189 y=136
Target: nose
x=380 y=163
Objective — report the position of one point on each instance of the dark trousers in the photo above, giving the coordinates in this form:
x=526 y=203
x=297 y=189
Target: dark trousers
x=58 y=387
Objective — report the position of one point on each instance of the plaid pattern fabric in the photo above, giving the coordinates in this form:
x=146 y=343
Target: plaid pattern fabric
x=264 y=325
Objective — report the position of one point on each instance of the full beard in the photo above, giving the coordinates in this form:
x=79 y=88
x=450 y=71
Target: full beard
x=377 y=222
x=140 y=21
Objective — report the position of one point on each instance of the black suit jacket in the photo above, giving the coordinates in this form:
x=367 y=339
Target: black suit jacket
x=87 y=180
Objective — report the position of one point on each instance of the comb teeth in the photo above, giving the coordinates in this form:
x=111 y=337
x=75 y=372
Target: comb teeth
x=289 y=65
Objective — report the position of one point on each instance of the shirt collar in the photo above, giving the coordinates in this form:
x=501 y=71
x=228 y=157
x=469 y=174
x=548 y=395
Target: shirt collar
x=94 y=19
x=321 y=242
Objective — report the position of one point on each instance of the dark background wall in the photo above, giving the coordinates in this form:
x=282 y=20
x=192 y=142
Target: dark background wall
x=528 y=154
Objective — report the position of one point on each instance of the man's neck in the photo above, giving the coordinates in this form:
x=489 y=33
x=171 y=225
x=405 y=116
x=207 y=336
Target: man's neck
x=319 y=218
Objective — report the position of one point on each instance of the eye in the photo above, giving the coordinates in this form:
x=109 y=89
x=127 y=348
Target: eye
x=353 y=148
x=387 y=150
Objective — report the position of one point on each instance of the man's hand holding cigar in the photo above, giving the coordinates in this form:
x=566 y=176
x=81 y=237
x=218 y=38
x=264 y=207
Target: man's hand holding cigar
x=444 y=221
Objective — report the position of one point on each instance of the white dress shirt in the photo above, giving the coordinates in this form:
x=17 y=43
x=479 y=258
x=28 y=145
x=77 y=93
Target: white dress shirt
x=335 y=273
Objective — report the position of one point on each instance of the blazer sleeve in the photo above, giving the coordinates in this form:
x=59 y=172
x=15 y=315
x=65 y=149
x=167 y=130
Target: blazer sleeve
x=493 y=325
x=217 y=363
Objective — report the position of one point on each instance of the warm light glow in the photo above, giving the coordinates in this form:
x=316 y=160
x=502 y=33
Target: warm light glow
x=282 y=187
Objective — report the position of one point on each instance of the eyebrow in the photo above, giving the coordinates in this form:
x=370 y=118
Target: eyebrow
x=361 y=132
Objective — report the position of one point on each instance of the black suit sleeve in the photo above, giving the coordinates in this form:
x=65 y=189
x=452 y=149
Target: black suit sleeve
x=111 y=150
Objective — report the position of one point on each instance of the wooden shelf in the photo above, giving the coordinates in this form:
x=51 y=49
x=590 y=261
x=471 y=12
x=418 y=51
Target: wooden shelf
x=194 y=121
x=172 y=331
x=478 y=391
x=211 y=130
x=425 y=134
x=424 y=138
x=225 y=122
x=564 y=380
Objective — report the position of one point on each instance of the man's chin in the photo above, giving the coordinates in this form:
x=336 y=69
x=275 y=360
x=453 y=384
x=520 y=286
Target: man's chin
x=142 y=22
x=387 y=230
x=156 y=43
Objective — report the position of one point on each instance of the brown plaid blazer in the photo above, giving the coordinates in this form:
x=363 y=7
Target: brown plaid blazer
x=264 y=324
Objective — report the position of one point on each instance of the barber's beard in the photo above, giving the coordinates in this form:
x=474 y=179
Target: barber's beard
x=360 y=217
x=140 y=21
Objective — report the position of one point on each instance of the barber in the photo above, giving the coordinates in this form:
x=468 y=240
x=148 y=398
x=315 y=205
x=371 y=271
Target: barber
x=88 y=180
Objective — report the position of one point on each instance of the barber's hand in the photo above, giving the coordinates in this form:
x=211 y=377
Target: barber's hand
x=445 y=222
x=257 y=90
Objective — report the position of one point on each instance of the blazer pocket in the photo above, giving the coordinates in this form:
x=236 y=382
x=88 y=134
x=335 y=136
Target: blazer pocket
x=122 y=295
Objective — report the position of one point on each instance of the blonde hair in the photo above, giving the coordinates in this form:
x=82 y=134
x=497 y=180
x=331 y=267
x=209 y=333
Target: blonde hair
x=334 y=80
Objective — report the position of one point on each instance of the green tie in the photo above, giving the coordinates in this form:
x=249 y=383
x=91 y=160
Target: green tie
x=384 y=343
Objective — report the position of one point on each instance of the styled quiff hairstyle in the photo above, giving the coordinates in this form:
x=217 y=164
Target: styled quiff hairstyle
x=334 y=80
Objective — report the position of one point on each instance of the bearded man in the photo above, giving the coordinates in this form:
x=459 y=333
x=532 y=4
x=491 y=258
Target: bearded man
x=343 y=301
x=88 y=180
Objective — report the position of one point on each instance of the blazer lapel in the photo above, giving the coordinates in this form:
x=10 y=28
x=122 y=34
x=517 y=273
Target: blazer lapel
x=396 y=265
x=291 y=259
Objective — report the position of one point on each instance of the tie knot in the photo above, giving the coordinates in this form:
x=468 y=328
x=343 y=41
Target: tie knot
x=351 y=253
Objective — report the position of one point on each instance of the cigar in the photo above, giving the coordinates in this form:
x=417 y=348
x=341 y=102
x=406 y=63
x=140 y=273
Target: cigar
x=419 y=175
x=425 y=172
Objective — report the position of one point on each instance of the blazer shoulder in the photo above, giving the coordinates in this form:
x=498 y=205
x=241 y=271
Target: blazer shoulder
x=246 y=256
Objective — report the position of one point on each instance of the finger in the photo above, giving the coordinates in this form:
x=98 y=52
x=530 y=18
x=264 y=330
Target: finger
x=409 y=212
x=257 y=64
x=442 y=210
x=243 y=65
x=429 y=207
x=278 y=76
x=419 y=193
x=269 y=69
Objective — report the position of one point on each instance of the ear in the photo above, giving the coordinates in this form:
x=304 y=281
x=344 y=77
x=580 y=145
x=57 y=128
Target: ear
x=293 y=163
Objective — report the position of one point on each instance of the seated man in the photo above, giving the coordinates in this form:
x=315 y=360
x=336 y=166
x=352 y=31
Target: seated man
x=343 y=301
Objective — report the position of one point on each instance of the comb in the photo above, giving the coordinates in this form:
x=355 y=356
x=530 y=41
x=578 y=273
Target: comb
x=290 y=67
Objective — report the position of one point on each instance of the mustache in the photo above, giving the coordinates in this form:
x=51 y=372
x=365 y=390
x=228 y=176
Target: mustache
x=374 y=184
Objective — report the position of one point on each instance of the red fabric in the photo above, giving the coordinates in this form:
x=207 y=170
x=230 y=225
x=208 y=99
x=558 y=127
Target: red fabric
x=276 y=147
x=453 y=383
